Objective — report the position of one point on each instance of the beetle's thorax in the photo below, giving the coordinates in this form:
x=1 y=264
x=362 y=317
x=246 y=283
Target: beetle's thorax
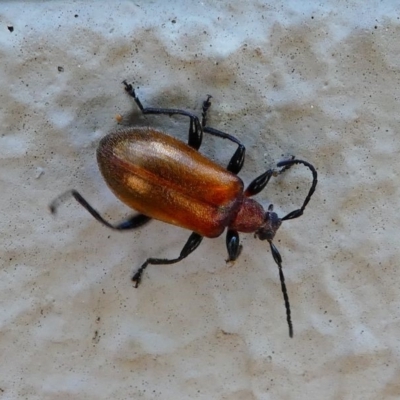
x=249 y=218
x=253 y=218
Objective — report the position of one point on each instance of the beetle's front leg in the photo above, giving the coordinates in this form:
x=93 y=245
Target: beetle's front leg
x=233 y=245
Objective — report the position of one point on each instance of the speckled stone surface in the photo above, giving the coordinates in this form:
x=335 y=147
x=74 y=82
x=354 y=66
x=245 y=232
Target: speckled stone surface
x=317 y=81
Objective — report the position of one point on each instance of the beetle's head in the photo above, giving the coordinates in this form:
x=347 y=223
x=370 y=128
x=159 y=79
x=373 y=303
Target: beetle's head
x=270 y=226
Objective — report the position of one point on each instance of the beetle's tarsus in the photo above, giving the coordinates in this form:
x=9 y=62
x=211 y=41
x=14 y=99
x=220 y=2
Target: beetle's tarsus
x=233 y=245
x=206 y=106
x=60 y=199
x=137 y=278
x=128 y=86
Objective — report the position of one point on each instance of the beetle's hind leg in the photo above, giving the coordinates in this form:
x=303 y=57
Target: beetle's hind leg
x=190 y=246
x=195 y=128
x=136 y=221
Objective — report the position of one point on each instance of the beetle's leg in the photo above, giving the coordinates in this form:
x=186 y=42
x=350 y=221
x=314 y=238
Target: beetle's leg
x=190 y=246
x=233 y=245
x=133 y=222
x=237 y=160
x=287 y=164
x=195 y=128
x=258 y=184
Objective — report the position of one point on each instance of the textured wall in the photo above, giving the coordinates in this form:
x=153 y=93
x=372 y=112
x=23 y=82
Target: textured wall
x=319 y=82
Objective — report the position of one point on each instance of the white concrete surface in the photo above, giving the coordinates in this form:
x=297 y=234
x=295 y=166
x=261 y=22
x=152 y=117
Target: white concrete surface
x=320 y=81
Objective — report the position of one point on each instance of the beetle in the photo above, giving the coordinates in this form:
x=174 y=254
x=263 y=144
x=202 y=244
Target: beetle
x=166 y=179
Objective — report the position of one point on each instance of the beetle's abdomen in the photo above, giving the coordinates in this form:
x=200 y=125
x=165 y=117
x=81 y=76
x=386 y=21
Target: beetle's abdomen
x=165 y=179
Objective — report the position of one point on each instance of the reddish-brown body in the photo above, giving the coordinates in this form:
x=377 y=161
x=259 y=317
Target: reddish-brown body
x=165 y=179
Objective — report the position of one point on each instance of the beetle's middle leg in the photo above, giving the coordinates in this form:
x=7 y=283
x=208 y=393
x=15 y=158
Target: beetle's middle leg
x=195 y=128
x=190 y=246
x=237 y=160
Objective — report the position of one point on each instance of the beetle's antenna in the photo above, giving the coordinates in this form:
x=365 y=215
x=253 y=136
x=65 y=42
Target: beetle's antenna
x=299 y=212
x=278 y=260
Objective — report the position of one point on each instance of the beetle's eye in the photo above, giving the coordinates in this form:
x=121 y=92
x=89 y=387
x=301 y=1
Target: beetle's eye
x=271 y=225
x=272 y=220
x=263 y=234
x=267 y=232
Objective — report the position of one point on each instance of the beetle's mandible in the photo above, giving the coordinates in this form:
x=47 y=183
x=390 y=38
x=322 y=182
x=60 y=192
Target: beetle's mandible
x=166 y=179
